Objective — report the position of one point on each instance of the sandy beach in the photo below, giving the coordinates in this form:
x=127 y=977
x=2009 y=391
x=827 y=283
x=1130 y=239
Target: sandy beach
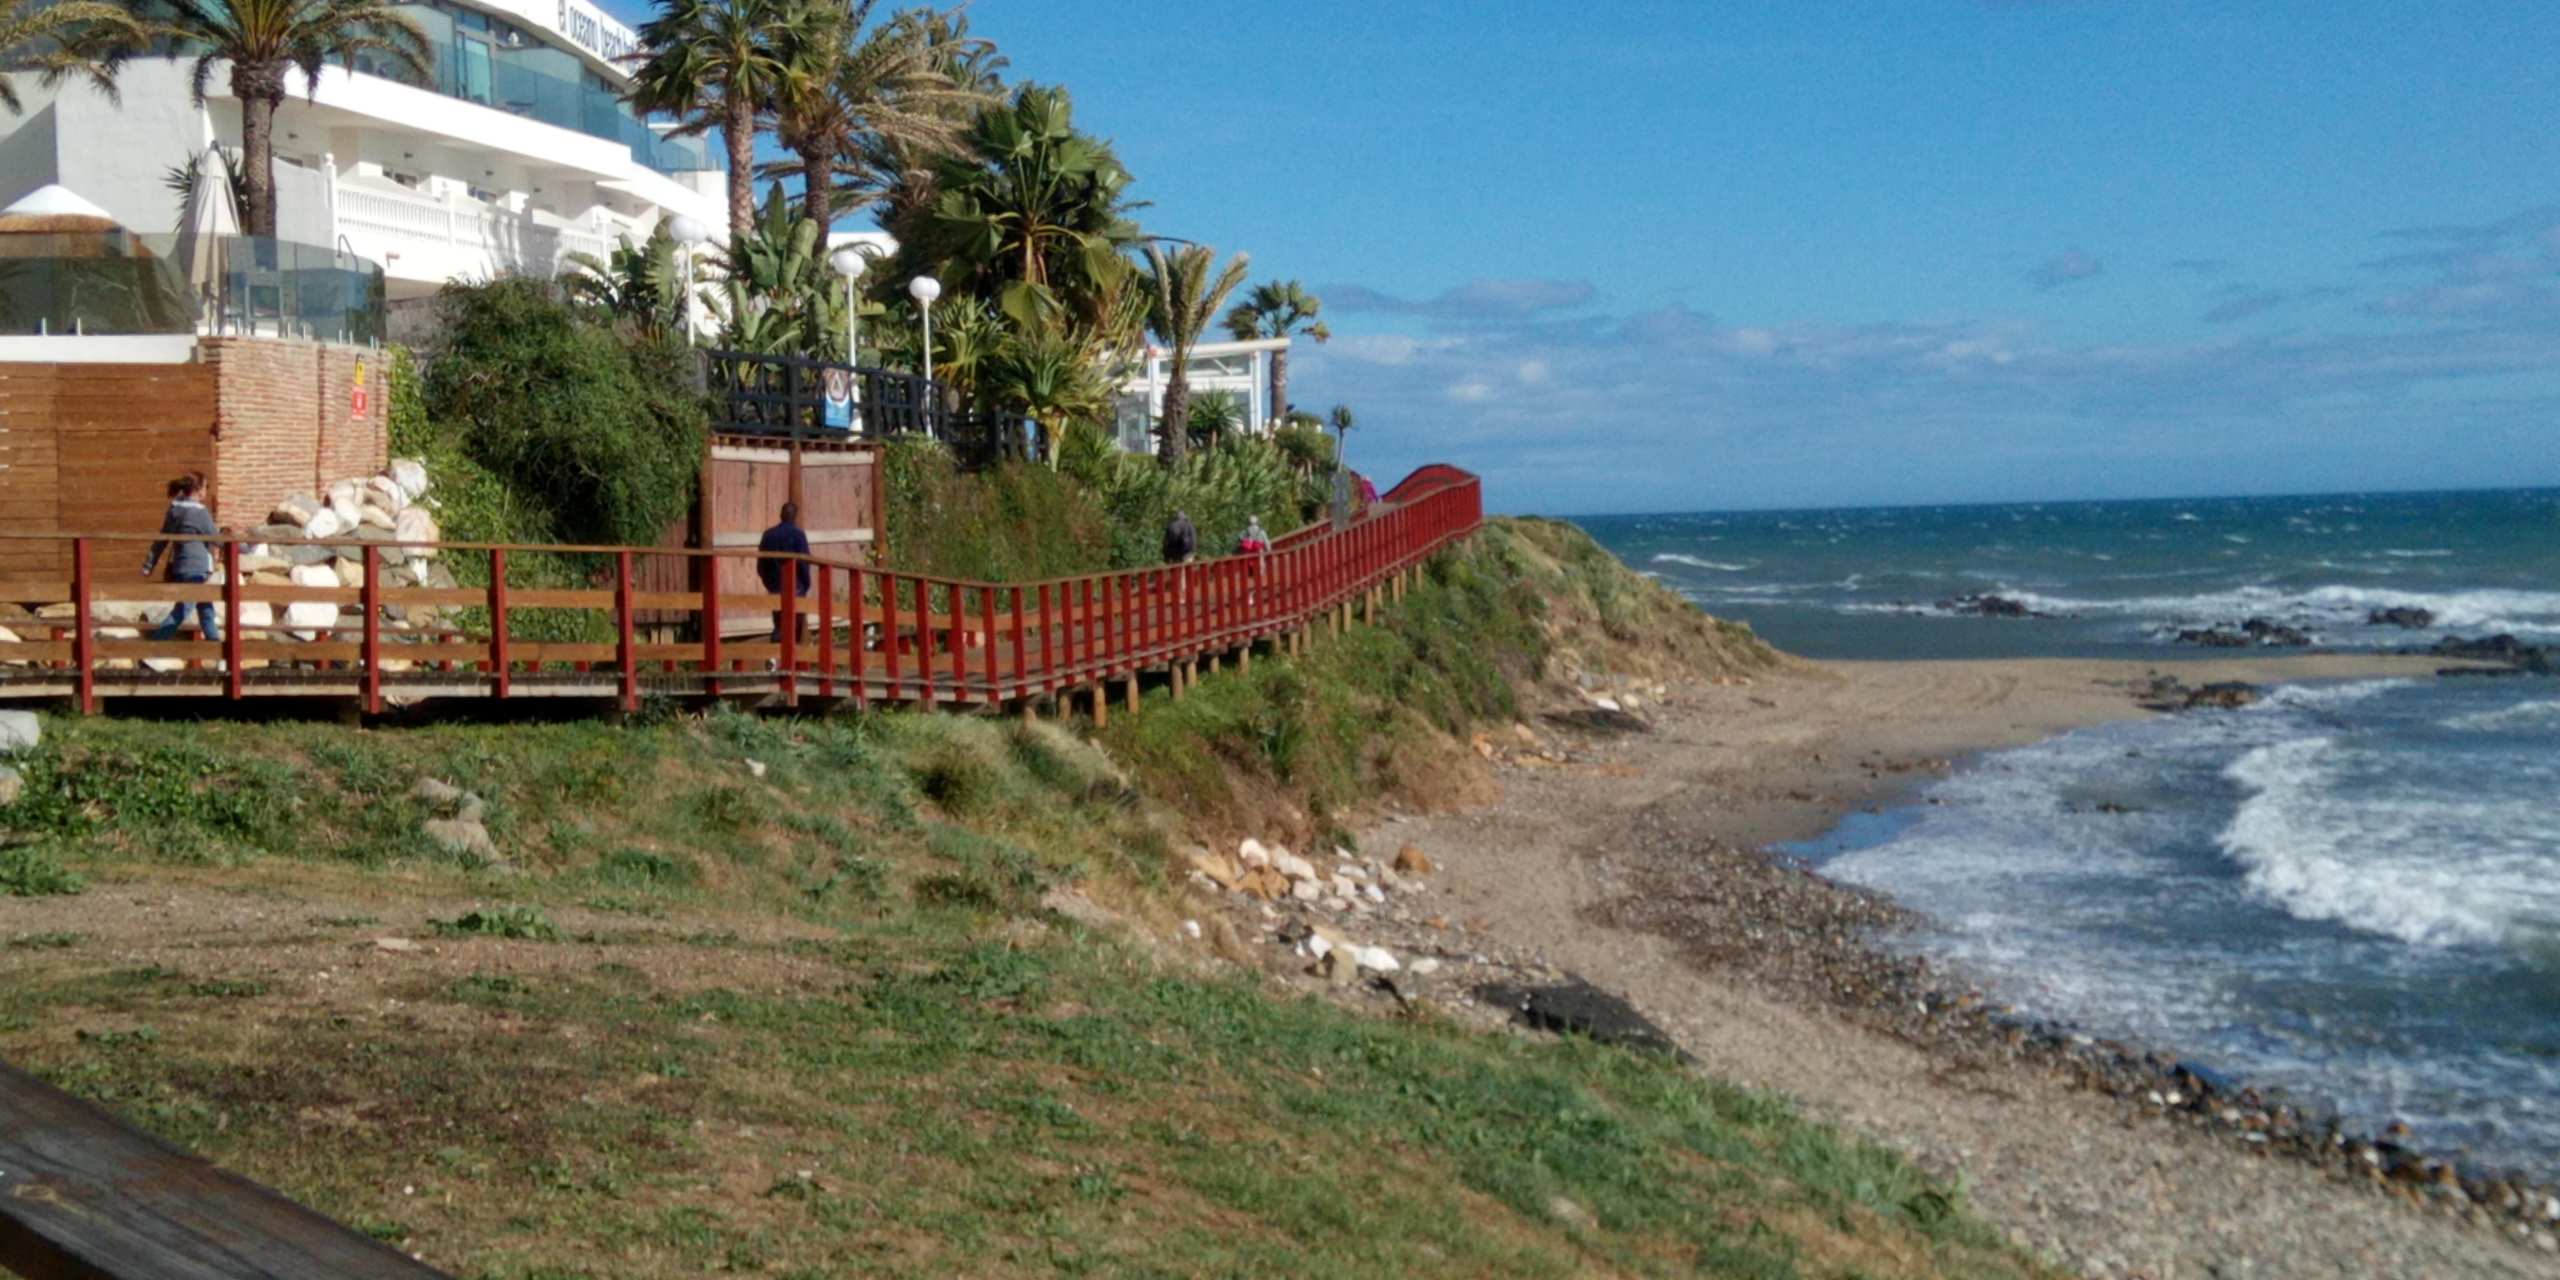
x=1632 y=865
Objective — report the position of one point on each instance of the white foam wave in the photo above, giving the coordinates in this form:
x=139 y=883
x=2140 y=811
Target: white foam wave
x=2322 y=697
x=2430 y=872
x=2521 y=715
x=2416 y=555
x=2485 y=610
x=1674 y=557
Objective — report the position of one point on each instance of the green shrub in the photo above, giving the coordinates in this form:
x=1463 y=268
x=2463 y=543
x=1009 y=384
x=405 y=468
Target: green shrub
x=597 y=434
x=527 y=923
x=31 y=872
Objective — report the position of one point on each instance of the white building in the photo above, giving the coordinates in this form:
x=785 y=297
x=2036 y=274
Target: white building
x=1240 y=369
x=513 y=153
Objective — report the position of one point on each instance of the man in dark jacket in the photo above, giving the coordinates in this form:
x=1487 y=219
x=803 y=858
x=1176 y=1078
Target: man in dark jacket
x=784 y=538
x=189 y=562
x=1180 y=539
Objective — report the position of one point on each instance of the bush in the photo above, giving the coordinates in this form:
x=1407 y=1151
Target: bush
x=596 y=435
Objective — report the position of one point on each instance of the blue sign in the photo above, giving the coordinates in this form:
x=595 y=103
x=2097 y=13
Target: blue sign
x=840 y=399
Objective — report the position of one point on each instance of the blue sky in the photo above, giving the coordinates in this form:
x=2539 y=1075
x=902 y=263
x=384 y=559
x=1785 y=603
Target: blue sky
x=1706 y=255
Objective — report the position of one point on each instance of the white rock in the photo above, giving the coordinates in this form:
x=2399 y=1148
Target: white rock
x=296 y=510
x=1375 y=958
x=385 y=492
x=1337 y=905
x=331 y=522
x=1306 y=890
x=8 y=637
x=2551 y=1208
x=1606 y=704
x=755 y=768
x=1191 y=929
x=1373 y=893
x=346 y=495
x=374 y=517
x=1342 y=885
x=1318 y=945
x=411 y=475
x=1352 y=870
x=19 y=731
x=1252 y=854
x=1293 y=866
x=315 y=575
x=308 y=618
x=257 y=615
x=415 y=525
x=1426 y=966
x=165 y=665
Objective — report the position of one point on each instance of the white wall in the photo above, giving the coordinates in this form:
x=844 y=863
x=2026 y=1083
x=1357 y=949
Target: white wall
x=26 y=142
x=116 y=156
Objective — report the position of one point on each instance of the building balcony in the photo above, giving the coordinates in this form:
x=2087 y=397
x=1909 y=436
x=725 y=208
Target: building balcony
x=426 y=239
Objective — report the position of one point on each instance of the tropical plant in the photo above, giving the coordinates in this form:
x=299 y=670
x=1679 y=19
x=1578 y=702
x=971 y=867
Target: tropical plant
x=846 y=95
x=263 y=42
x=1029 y=213
x=1049 y=376
x=1213 y=415
x=1185 y=287
x=64 y=38
x=716 y=64
x=181 y=180
x=895 y=161
x=639 y=285
x=778 y=296
x=1342 y=423
x=1278 y=309
x=1303 y=442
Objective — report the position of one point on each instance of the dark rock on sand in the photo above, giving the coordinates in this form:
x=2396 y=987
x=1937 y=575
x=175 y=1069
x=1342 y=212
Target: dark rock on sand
x=2254 y=633
x=2521 y=658
x=1577 y=1007
x=2409 y=616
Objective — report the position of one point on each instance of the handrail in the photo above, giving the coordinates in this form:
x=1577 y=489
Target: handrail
x=905 y=637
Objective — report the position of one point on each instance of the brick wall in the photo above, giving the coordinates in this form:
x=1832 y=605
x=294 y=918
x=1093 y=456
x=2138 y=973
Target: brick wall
x=285 y=414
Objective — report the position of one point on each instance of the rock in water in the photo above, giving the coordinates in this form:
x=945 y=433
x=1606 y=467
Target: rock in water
x=2225 y=694
x=2409 y=616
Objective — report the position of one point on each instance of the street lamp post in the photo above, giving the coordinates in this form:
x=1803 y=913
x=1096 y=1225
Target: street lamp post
x=850 y=263
x=688 y=233
x=924 y=289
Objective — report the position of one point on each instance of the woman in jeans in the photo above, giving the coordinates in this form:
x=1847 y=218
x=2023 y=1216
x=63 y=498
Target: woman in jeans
x=189 y=561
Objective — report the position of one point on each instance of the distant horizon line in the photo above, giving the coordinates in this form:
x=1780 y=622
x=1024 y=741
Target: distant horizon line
x=2044 y=502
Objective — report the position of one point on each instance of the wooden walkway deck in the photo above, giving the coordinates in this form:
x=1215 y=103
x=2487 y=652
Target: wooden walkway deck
x=859 y=635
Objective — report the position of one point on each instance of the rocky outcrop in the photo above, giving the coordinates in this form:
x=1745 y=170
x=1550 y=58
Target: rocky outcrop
x=2520 y=658
x=2408 y=616
x=2255 y=633
x=1988 y=606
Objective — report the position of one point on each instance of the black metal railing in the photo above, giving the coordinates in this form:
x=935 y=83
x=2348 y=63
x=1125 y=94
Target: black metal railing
x=798 y=398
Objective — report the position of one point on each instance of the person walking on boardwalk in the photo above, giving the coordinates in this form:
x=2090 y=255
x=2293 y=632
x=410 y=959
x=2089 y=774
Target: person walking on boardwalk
x=1254 y=544
x=189 y=562
x=1180 y=539
x=784 y=538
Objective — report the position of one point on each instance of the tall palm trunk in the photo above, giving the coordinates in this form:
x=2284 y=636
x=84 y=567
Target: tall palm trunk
x=260 y=91
x=817 y=197
x=1177 y=417
x=738 y=135
x=1279 y=388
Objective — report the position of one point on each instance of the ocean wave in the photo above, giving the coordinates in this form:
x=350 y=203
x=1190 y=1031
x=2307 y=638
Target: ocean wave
x=2321 y=849
x=2337 y=605
x=2521 y=715
x=2416 y=555
x=1674 y=557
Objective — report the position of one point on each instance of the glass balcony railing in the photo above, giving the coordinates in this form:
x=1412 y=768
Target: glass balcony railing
x=476 y=70
x=118 y=282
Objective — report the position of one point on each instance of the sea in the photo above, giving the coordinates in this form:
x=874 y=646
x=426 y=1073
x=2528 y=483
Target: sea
x=2349 y=892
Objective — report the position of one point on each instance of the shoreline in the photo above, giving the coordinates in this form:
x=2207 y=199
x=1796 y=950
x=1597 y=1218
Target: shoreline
x=1644 y=870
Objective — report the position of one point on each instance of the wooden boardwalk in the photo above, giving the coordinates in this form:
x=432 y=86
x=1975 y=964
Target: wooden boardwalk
x=860 y=635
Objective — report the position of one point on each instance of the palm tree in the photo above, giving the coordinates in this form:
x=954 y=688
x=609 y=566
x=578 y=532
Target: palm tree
x=899 y=170
x=716 y=64
x=265 y=41
x=1029 y=213
x=1278 y=309
x=84 y=38
x=1049 y=375
x=1342 y=424
x=1183 y=295
x=847 y=96
x=639 y=285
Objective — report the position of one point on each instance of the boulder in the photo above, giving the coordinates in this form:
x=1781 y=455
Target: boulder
x=461 y=838
x=1251 y=853
x=256 y=615
x=374 y=517
x=316 y=575
x=2274 y=634
x=436 y=791
x=11 y=786
x=346 y=497
x=19 y=731
x=1411 y=861
x=416 y=525
x=2409 y=616
x=1293 y=866
x=1987 y=606
x=385 y=492
x=1375 y=959
x=2225 y=694
x=297 y=511
x=259 y=562
x=330 y=523
x=350 y=572
x=2214 y=638
x=411 y=475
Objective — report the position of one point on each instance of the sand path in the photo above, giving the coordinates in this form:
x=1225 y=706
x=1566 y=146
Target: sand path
x=2094 y=1184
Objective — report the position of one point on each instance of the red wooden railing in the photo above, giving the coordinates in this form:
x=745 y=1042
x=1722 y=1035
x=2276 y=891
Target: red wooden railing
x=862 y=633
